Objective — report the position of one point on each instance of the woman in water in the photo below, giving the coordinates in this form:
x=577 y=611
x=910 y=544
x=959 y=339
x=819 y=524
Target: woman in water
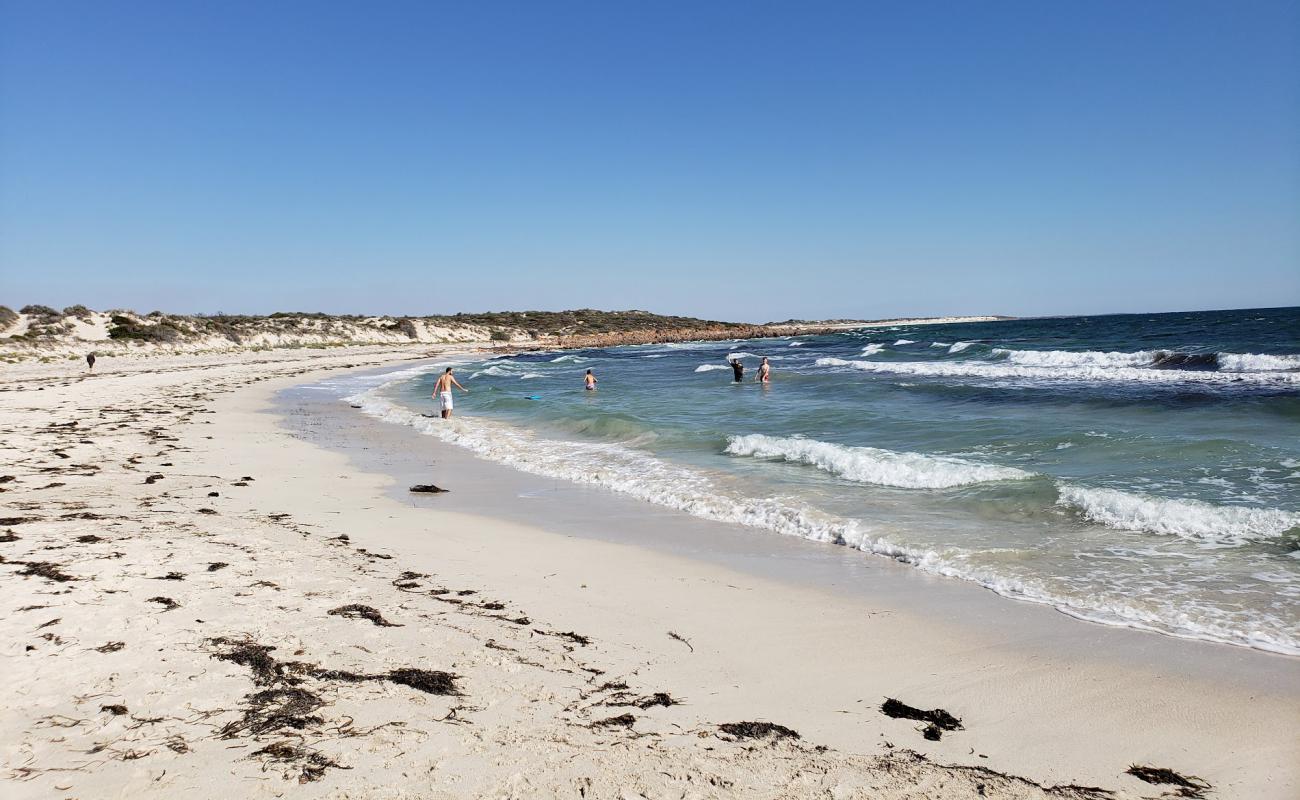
x=590 y=381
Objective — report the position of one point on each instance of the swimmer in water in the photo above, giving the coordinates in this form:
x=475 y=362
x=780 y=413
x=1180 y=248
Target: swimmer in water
x=590 y=381
x=442 y=392
x=737 y=369
x=764 y=372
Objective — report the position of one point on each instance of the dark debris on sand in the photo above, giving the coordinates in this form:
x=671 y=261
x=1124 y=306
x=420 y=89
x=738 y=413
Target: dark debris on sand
x=427 y=488
x=937 y=719
x=357 y=611
x=621 y=721
x=216 y=565
x=312 y=765
x=48 y=570
x=757 y=730
x=1185 y=785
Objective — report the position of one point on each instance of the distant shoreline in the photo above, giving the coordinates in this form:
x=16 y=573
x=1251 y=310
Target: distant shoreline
x=47 y=334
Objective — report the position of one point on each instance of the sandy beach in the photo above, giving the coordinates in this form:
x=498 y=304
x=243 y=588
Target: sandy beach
x=214 y=585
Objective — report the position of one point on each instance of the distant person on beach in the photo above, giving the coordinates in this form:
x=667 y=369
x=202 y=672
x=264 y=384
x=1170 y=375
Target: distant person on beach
x=590 y=381
x=737 y=369
x=90 y=361
x=442 y=392
x=764 y=372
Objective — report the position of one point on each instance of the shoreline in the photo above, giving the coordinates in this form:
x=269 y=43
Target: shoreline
x=948 y=609
x=306 y=532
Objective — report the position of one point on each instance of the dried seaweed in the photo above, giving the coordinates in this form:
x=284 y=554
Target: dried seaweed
x=167 y=603
x=757 y=730
x=621 y=721
x=311 y=763
x=216 y=565
x=427 y=488
x=937 y=719
x=1187 y=785
x=356 y=611
x=111 y=647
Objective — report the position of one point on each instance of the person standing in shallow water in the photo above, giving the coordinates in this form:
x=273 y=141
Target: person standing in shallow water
x=442 y=392
x=589 y=381
x=737 y=369
x=764 y=372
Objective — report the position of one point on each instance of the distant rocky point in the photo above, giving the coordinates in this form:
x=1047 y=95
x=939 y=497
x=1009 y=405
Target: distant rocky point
x=37 y=331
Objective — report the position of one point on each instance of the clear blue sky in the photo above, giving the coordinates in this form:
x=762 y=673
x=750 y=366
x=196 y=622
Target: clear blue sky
x=748 y=160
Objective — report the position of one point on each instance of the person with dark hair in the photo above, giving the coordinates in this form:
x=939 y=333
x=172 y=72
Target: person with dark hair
x=90 y=360
x=764 y=372
x=442 y=392
x=737 y=369
x=590 y=381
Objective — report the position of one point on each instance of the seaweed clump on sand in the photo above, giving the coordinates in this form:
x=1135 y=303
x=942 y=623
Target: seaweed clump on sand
x=1186 y=786
x=311 y=763
x=276 y=709
x=758 y=730
x=48 y=570
x=356 y=611
x=621 y=721
x=937 y=719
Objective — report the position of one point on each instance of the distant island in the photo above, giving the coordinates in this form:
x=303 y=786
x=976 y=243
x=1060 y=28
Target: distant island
x=37 y=331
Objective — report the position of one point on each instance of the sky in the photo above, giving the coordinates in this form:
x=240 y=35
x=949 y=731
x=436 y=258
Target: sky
x=748 y=160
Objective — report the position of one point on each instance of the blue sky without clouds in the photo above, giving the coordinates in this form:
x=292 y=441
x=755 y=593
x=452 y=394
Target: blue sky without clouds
x=740 y=160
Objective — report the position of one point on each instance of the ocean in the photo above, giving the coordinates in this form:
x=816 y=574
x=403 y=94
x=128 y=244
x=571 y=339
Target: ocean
x=1139 y=470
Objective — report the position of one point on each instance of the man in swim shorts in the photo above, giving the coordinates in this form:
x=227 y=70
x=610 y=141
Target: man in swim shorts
x=590 y=381
x=764 y=372
x=442 y=392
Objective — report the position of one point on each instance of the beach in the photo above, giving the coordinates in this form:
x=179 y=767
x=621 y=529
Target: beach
x=216 y=584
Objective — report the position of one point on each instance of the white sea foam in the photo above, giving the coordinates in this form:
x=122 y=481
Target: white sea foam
x=1085 y=374
x=530 y=375
x=1189 y=519
x=626 y=470
x=796 y=344
x=731 y=356
x=494 y=371
x=569 y=358
x=959 y=346
x=941 y=344
x=1070 y=358
x=711 y=367
x=902 y=342
x=1257 y=362
x=872 y=349
x=873 y=465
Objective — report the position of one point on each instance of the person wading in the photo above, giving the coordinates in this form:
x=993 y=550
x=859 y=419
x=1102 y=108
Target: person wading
x=442 y=392
x=764 y=372
x=737 y=369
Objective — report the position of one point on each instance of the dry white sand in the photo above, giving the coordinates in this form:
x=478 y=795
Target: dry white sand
x=506 y=660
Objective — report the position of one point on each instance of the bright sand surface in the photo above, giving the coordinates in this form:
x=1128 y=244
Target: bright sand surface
x=557 y=597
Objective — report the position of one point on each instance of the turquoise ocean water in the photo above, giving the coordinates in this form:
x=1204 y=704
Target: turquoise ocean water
x=1139 y=470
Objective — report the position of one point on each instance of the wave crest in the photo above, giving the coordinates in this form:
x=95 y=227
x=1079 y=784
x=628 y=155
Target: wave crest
x=1189 y=519
x=874 y=465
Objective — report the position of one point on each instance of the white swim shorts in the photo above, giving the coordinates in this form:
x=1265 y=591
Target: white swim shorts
x=444 y=401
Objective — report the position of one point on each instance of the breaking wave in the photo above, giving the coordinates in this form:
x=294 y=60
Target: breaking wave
x=1190 y=519
x=873 y=465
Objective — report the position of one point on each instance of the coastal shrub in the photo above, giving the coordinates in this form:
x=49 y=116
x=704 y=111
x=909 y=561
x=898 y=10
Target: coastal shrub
x=7 y=316
x=407 y=326
x=39 y=311
x=499 y=335
x=123 y=328
x=78 y=311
